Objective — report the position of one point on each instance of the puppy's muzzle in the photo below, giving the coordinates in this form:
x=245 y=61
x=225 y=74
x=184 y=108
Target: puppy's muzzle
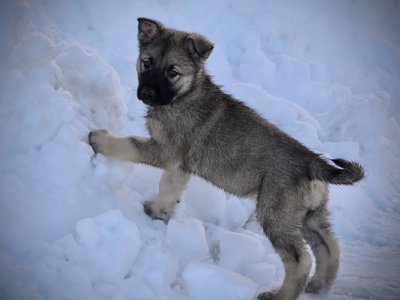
x=147 y=94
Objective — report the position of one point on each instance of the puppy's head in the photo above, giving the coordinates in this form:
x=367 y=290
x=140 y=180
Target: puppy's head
x=169 y=62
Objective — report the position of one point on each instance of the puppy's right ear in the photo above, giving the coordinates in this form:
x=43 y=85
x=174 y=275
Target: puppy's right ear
x=148 y=30
x=199 y=46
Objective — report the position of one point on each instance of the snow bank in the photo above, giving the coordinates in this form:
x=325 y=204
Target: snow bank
x=204 y=281
x=54 y=91
x=110 y=242
x=193 y=248
x=99 y=255
x=237 y=259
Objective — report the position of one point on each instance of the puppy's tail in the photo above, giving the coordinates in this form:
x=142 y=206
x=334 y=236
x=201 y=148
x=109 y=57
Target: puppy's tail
x=345 y=172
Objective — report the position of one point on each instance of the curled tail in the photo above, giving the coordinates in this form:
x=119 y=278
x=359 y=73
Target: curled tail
x=345 y=172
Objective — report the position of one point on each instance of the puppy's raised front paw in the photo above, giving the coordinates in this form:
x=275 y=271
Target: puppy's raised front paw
x=98 y=140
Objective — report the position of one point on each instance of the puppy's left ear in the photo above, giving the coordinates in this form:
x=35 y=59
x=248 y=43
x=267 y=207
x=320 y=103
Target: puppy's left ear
x=148 y=30
x=199 y=46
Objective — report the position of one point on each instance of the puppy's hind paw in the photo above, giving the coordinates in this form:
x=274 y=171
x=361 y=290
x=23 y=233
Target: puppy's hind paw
x=270 y=295
x=316 y=287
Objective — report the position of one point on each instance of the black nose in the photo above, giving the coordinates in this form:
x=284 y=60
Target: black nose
x=147 y=94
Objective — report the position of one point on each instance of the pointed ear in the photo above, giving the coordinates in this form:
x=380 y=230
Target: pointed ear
x=199 y=46
x=148 y=29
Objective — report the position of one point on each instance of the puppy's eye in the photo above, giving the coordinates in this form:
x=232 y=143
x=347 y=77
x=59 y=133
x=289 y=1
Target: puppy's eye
x=172 y=73
x=146 y=64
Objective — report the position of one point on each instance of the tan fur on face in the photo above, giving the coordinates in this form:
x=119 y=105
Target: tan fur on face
x=183 y=84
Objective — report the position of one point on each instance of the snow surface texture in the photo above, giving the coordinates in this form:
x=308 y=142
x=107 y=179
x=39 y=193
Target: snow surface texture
x=72 y=224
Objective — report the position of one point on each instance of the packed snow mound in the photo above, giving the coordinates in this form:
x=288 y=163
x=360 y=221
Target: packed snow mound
x=204 y=281
x=111 y=244
x=195 y=248
x=72 y=224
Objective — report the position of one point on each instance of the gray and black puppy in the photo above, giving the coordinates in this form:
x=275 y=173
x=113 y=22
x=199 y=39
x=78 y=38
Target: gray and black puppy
x=195 y=128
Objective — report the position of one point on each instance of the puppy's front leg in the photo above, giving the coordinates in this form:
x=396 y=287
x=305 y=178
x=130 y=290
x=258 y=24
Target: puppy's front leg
x=132 y=148
x=141 y=150
x=172 y=184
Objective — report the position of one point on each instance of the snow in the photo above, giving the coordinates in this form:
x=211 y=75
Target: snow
x=72 y=224
x=239 y=259
x=209 y=282
x=185 y=249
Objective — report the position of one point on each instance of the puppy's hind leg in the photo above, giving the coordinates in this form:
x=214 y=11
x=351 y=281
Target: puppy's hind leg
x=172 y=184
x=281 y=221
x=317 y=232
